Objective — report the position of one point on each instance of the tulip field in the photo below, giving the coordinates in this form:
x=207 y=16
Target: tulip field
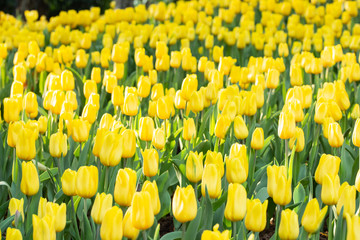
x=192 y=120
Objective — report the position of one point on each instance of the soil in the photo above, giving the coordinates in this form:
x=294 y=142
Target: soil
x=166 y=225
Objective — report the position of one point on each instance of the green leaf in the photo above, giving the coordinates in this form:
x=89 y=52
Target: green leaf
x=193 y=226
x=339 y=230
x=88 y=230
x=6 y=223
x=262 y=194
x=172 y=235
x=299 y=194
x=45 y=175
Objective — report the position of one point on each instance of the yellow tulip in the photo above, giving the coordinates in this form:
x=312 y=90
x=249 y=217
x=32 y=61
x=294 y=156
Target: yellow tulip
x=125 y=186
x=87 y=181
x=142 y=215
x=289 y=225
x=103 y=202
x=235 y=208
x=255 y=219
x=30 y=179
x=152 y=189
x=184 y=204
x=112 y=224
x=313 y=216
x=68 y=182
x=211 y=180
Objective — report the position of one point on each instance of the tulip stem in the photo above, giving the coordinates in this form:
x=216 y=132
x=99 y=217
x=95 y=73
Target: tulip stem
x=144 y=235
x=253 y=166
x=330 y=230
x=183 y=229
x=97 y=231
x=278 y=216
x=234 y=230
x=106 y=179
x=74 y=217
x=196 y=193
x=286 y=153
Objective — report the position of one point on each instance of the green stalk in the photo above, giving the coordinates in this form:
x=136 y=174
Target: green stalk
x=278 y=216
x=144 y=235
x=233 y=230
x=74 y=218
x=330 y=230
x=98 y=231
x=183 y=229
x=252 y=172
x=106 y=179
x=286 y=153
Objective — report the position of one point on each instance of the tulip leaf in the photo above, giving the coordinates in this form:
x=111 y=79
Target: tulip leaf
x=88 y=230
x=46 y=175
x=193 y=226
x=340 y=225
x=207 y=213
x=204 y=122
x=203 y=147
x=299 y=195
x=262 y=194
x=172 y=235
x=220 y=201
x=346 y=172
x=6 y=223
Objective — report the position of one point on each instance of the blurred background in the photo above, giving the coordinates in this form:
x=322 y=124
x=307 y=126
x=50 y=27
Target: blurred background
x=51 y=8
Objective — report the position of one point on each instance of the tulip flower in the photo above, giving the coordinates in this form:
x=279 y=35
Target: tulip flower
x=279 y=185
x=189 y=86
x=68 y=182
x=215 y=234
x=194 y=166
x=142 y=215
x=237 y=169
x=57 y=101
x=158 y=139
x=99 y=141
x=103 y=202
x=80 y=130
x=240 y=128
x=58 y=145
x=289 y=225
x=211 y=181
x=131 y=105
x=356 y=134
x=355 y=114
x=96 y=74
x=150 y=162
x=13 y=234
x=215 y=158
x=14 y=130
x=111 y=149
x=31 y=104
x=328 y=164
x=164 y=107
x=144 y=86
x=67 y=80
x=43 y=228
x=42 y=122
x=189 y=130
x=30 y=179
x=255 y=219
x=299 y=139
x=89 y=113
x=222 y=125
x=313 y=216
x=330 y=189
x=146 y=128
x=347 y=198
x=235 y=208
x=272 y=80
x=184 y=204
x=287 y=125
x=335 y=136
x=129 y=143
x=11 y=109
x=353 y=227
x=16 y=205
x=59 y=214
x=129 y=230
x=257 y=139
x=125 y=186
x=88 y=175
x=112 y=224
x=152 y=189
x=157 y=91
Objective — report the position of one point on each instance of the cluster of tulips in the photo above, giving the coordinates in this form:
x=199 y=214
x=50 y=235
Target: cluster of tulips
x=227 y=119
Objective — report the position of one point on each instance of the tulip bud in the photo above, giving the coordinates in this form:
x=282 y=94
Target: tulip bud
x=14 y=130
x=30 y=179
x=11 y=109
x=131 y=105
x=80 y=130
x=335 y=136
x=184 y=204
x=175 y=59
x=347 y=198
x=240 y=128
x=68 y=182
x=287 y=125
x=152 y=189
x=125 y=186
x=222 y=125
x=164 y=108
x=42 y=123
x=57 y=101
x=142 y=215
x=129 y=145
x=129 y=230
x=158 y=140
x=189 y=86
x=144 y=86
x=59 y=214
x=355 y=113
x=255 y=219
x=111 y=149
x=279 y=185
x=58 y=145
x=96 y=74
x=194 y=166
x=25 y=145
x=217 y=53
x=16 y=205
x=13 y=234
x=88 y=175
x=299 y=139
x=215 y=158
x=257 y=139
x=330 y=189
x=150 y=162
x=111 y=227
x=67 y=80
x=43 y=228
x=211 y=180
x=189 y=130
x=272 y=80
x=289 y=225
x=89 y=88
x=103 y=202
x=235 y=208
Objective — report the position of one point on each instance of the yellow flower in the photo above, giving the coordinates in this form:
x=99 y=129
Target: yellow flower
x=103 y=202
x=111 y=227
x=235 y=208
x=255 y=219
x=289 y=225
x=313 y=216
x=30 y=179
x=184 y=204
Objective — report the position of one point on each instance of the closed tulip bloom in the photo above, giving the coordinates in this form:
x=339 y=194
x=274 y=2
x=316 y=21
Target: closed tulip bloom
x=106 y=121
x=58 y=145
x=217 y=53
x=157 y=91
x=117 y=96
x=25 y=145
x=96 y=74
x=328 y=164
x=189 y=86
x=57 y=101
x=67 y=80
x=184 y=204
x=146 y=128
x=30 y=179
x=112 y=224
x=272 y=80
x=129 y=230
x=211 y=180
x=19 y=73
x=287 y=125
x=179 y=102
x=43 y=228
x=355 y=113
x=279 y=185
x=353 y=227
x=237 y=169
x=11 y=109
x=42 y=123
x=87 y=181
x=151 y=187
x=13 y=234
x=330 y=189
x=215 y=234
x=235 y=208
x=131 y=105
x=144 y=86
x=31 y=104
x=189 y=130
x=111 y=149
x=215 y=158
x=194 y=166
x=102 y=203
x=240 y=128
x=129 y=143
x=196 y=102
x=335 y=136
x=222 y=125
x=119 y=54
x=80 y=130
x=16 y=205
x=17 y=88
x=255 y=219
x=142 y=215
x=125 y=186
x=321 y=112
x=356 y=134
x=68 y=182
x=89 y=88
x=299 y=139
x=99 y=140
x=158 y=140
x=175 y=59
x=163 y=108
x=150 y=162
x=289 y=225
x=257 y=139
x=347 y=198
x=59 y=214
x=15 y=128
x=313 y=216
